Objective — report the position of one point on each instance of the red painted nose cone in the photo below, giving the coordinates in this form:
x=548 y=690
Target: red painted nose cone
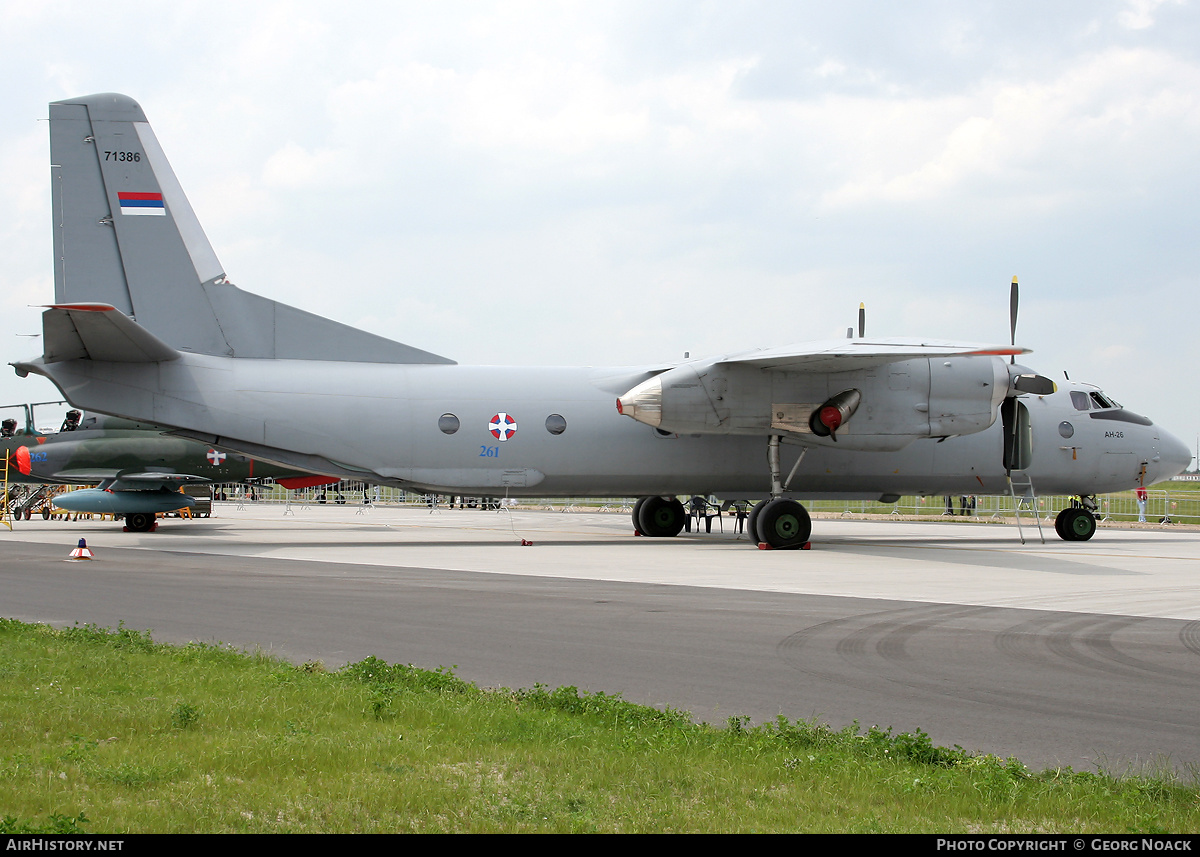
x=24 y=463
x=831 y=418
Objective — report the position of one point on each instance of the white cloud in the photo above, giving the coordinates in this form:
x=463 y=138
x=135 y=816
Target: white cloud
x=625 y=182
x=1140 y=14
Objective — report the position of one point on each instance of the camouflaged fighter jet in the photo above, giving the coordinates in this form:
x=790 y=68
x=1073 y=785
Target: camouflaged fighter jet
x=139 y=469
x=146 y=325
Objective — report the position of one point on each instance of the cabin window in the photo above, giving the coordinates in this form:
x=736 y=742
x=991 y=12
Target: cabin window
x=556 y=424
x=448 y=423
x=1066 y=429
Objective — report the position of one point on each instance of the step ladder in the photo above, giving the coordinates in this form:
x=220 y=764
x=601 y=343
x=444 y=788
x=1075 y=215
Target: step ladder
x=1022 y=480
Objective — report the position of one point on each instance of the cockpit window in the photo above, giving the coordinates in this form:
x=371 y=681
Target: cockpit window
x=1079 y=400
x=1101 y=402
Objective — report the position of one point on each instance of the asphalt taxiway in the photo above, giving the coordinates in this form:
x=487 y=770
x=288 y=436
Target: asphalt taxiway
x=1080 y=654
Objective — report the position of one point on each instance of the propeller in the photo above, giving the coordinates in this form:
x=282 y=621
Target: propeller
x=1018 y=436
x=862 y=320
x=1012 y=318
x=1038 y=385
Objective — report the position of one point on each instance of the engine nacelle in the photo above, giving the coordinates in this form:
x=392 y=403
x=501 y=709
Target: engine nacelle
x=892 y=404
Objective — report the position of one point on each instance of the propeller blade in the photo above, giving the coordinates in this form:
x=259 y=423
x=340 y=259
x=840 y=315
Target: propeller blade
x=862 y=320
x=1012 y=317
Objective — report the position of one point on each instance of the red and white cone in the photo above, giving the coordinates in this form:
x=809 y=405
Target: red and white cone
x=82 y=552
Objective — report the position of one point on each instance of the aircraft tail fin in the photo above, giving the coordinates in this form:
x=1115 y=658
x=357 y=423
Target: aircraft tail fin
x=126 y=236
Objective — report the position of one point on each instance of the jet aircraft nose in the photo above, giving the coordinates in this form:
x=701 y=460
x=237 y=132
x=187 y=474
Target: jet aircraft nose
x=1174 y=456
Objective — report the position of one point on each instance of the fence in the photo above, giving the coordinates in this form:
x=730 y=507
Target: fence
x=1161 y=506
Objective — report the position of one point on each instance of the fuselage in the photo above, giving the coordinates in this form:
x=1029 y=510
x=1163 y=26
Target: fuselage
x=526 y=431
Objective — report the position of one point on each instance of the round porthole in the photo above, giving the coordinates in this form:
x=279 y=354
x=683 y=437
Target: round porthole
x=1066 y=429
x=556 y=424
x=448 y=423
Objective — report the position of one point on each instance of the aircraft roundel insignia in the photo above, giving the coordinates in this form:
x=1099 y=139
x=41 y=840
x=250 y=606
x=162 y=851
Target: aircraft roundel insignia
x=502 y=426
x=215 y=457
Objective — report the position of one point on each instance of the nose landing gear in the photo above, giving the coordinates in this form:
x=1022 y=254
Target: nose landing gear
x=1077 y=522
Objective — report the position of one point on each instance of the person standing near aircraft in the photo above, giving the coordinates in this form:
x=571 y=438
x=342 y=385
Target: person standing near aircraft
x=1141 y=495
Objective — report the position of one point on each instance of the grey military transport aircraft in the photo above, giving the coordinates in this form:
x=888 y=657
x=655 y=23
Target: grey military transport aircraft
x=145 y=325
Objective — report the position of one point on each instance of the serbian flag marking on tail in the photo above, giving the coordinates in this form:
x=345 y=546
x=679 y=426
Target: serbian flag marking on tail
x=141 y=203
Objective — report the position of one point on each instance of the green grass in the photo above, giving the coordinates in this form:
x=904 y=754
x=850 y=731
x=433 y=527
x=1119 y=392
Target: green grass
x=109 y=732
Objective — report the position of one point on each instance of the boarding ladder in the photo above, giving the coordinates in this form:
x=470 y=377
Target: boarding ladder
x=1022 y=480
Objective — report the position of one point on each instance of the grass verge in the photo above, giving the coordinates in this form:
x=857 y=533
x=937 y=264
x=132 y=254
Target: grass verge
x=110 y=732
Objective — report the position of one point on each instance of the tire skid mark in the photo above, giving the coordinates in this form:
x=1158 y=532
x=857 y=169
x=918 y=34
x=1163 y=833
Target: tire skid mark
x=879 y=651
x=1189 y=635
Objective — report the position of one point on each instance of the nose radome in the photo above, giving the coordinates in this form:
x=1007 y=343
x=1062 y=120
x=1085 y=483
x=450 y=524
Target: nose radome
x=1174 y=454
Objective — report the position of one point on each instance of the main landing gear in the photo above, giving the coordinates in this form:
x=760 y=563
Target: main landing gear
x=659 y=517
x=779 y=523
x=1077 y=522
x=140 y=522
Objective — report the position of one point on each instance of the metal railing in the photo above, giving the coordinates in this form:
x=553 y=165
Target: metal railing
x=1161 y=506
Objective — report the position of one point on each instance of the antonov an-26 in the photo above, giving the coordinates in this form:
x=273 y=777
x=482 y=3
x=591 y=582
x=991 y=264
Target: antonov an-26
x=146 y=326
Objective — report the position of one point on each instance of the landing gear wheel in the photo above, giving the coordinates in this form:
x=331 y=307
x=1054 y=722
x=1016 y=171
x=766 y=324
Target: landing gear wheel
x=1075 y=524
x=1060 y=521
x=752 y=520
x=784 y=524
x=660 y=517
x=637 y=510
x=45 y=513
x=139 y=522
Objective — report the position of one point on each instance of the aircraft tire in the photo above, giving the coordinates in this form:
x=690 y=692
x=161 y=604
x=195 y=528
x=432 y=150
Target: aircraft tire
x=784 y=524
x=1059 y=524
x=637 y=510
x=752 y=520
x=1078 y=525
x=45 y=513
x=661 y=518
x=139 y=522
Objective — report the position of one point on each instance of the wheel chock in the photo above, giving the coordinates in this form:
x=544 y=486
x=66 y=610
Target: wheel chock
x=763 y=546
x=526 y=543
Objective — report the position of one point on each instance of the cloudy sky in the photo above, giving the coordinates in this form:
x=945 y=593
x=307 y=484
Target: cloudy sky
x=614 y=183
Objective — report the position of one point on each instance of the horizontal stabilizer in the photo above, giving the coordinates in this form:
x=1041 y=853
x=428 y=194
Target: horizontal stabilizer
x=90 y=331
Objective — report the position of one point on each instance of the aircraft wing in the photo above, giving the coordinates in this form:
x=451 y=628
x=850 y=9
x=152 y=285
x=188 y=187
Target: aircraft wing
x=846 y=355
x=807 y=392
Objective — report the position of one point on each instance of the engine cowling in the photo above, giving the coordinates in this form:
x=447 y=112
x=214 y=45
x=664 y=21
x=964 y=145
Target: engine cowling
x=884 y=407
